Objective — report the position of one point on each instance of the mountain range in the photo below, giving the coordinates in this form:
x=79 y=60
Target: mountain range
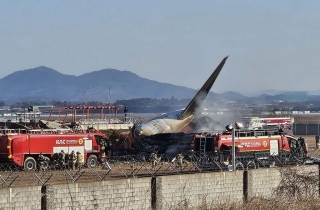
x=48 y=84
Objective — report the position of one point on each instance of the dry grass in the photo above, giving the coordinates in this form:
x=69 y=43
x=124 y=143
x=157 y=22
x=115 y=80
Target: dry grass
x=260 y=203
x=281 y=202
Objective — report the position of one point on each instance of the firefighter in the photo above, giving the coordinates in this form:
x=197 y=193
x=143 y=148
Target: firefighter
x=66 y=160
x=62 y=158
x=108 y=150
x=300 y=150
x=43 y=161
x=303 y=147
x=72 y=160
x=125 y=114
x=79 y=162
x=103 y=148
x=56 y=160
x=179 y=159
x=154 y=158
x=133 y=166
x=293 y=144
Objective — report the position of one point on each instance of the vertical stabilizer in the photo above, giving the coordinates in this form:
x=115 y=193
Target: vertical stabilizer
x=202 y=93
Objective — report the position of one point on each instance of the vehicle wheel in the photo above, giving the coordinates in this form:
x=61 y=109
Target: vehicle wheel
x=30 y=164
x=92 y=161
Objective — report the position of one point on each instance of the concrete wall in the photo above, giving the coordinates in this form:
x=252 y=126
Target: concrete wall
x=113 y=194
x=163 y=192
x=263 y=182
x=193 y=190
x=20 y=198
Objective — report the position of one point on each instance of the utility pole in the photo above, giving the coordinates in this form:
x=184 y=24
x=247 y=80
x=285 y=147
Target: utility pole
x=109 y=104
x=233 y=149
x=85 y=103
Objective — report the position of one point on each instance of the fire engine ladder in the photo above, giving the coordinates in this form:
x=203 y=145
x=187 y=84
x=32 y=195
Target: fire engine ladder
x=202 y=145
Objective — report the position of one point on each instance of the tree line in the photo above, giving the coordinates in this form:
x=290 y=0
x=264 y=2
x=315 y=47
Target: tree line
x=137 y=102
x=310 y=105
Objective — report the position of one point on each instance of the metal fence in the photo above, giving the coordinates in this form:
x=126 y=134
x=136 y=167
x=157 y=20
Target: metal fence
x=312 y=128
x=140 y=165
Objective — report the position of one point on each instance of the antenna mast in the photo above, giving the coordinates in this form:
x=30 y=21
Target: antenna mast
x=109 y=100
x=109 y=97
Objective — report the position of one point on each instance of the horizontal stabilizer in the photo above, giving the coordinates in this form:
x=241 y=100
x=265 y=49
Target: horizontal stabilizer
x=202 y=93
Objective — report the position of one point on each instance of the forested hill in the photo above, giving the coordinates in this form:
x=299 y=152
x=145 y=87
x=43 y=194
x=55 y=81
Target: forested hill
x=47 y=83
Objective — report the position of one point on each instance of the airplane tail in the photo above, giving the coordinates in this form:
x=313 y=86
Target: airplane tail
x=202 y=93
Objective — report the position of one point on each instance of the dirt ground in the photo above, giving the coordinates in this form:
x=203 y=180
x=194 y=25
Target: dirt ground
x=119 y=171
x=311 y=142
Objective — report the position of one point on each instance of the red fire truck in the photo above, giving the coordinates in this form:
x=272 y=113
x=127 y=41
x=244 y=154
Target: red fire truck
x=253 y=148
x=268 y=122
x=23 y=149
x=254 y=144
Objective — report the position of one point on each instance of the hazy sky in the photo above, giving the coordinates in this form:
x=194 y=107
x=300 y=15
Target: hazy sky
x=271 y=44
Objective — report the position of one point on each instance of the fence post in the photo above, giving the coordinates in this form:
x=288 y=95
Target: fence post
x=245 y=186
x=306 y=128
x=153 y=193
x=318 y=179
x=44 y=197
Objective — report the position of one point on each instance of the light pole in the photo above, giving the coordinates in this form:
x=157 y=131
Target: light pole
x=233 y=149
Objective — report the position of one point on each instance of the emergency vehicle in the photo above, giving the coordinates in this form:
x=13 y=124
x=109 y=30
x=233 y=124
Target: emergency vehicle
x=23 y=149
x=269 y=122
x=257 y=146
x=251 y=144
